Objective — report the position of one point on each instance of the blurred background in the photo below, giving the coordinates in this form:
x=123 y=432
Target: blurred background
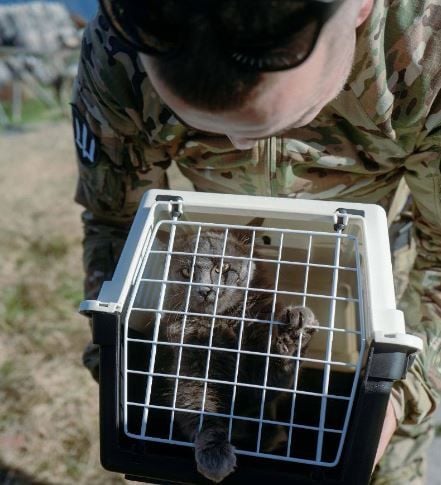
x=48 y=402
x=84 y=8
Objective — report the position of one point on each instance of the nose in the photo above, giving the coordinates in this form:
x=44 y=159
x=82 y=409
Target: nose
x=205 y=291
x=242 y=143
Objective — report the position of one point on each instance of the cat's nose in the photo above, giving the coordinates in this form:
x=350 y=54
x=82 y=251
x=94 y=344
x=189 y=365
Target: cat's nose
x=204 y=291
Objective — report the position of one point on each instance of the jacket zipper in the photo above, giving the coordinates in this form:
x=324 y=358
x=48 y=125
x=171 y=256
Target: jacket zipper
x=271 y=164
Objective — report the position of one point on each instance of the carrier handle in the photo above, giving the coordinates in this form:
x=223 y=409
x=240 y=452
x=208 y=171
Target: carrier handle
x=386 y=364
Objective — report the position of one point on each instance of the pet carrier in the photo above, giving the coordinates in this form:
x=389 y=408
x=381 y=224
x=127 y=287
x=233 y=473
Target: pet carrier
x=320 y=426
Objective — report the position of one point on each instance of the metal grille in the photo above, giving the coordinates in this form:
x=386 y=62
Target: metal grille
x=321 y=270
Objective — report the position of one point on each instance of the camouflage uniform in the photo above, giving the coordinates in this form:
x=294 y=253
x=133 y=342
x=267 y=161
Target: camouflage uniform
x=384 y=125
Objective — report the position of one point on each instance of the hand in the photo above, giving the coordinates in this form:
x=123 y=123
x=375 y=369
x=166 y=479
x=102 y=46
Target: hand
x=389 y=427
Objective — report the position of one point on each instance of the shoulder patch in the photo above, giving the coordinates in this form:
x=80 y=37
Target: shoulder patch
x=87 y=144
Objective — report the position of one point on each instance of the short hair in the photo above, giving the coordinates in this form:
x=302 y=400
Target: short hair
x=202 y=72
x=203 y=75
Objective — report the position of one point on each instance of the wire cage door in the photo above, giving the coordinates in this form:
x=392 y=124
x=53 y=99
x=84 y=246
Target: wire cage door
x=189 y=357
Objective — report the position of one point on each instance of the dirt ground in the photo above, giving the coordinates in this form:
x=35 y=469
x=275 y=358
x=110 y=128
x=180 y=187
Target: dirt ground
x=48 y=402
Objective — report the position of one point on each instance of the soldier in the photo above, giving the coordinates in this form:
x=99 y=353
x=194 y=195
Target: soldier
x=326 y=99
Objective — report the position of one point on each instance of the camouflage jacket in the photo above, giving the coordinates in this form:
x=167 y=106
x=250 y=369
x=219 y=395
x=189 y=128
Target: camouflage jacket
x=384 y=125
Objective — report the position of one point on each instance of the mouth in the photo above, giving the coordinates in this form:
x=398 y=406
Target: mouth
x=202 y=307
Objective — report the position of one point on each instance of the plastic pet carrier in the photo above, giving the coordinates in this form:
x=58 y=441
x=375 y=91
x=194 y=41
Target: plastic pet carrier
x=180 y=346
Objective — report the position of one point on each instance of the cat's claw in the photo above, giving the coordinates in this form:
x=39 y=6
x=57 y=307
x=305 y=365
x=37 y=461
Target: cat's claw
x=298 y=321
x=214 y=455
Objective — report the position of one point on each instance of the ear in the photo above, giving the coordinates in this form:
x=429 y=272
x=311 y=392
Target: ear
x=244 y=235
x=163 y=236
x=256 y=222
x=162 y=239
x=364 y=12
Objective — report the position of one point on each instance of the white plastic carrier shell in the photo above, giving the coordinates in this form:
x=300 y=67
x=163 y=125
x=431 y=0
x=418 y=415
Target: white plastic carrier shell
x=383 y=322
x=339 y=265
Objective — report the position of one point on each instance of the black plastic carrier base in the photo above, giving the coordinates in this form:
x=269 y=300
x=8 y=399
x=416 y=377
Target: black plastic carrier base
x=167 y=464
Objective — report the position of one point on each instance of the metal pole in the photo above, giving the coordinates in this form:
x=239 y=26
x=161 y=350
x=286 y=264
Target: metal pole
x=16 y=101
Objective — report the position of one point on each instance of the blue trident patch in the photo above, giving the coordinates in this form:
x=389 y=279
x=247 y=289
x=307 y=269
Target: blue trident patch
x=86 y=142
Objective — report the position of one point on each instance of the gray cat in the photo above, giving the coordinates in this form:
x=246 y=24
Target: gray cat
x=214 y=453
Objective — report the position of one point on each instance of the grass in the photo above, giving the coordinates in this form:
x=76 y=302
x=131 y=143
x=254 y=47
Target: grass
x=42 y=396
x=34 y=111
x=43 y=291
x=48 y=402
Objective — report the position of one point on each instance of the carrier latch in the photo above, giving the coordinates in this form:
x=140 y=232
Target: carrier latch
x=389 y=362
x=341 y=217
x=175 y=204
x=340 y=220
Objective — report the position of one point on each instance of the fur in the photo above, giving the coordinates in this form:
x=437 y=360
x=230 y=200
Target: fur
x=214 y=454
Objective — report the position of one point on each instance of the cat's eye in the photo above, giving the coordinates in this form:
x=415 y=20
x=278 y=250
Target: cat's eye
x=185 y=272
x=225 y=268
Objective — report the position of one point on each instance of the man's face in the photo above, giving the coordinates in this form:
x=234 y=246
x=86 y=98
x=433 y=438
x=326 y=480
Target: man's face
x=285 y=99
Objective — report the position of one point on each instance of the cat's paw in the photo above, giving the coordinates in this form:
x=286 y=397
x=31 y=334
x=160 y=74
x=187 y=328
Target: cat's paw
x=296 y=321
x=214 y=454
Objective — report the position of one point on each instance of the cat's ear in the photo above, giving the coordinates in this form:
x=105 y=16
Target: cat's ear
x=162 y=237
x=245 y=235
x=256 y=222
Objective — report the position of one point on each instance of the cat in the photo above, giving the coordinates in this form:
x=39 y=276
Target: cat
x=214 y=454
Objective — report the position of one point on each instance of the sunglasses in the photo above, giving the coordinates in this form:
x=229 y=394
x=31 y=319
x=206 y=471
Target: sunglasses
x=272 y=35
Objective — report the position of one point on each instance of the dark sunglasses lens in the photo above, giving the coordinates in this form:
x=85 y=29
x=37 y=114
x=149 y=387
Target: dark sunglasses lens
x=151 y=26
x=266 y=20
x=289 y=53
x=275 y=38
x=272 y=35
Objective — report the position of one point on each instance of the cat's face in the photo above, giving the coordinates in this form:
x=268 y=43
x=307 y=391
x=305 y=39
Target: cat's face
x=208 y=271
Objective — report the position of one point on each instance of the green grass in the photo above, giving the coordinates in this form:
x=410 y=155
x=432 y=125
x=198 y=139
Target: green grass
x=34 y=111
x=17 y=305
x=55 y=247
x=44 y=250
x=43 y=288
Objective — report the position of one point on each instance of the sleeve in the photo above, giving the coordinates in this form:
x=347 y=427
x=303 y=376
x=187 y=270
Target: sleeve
x=416 y=397
x=116 y=121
